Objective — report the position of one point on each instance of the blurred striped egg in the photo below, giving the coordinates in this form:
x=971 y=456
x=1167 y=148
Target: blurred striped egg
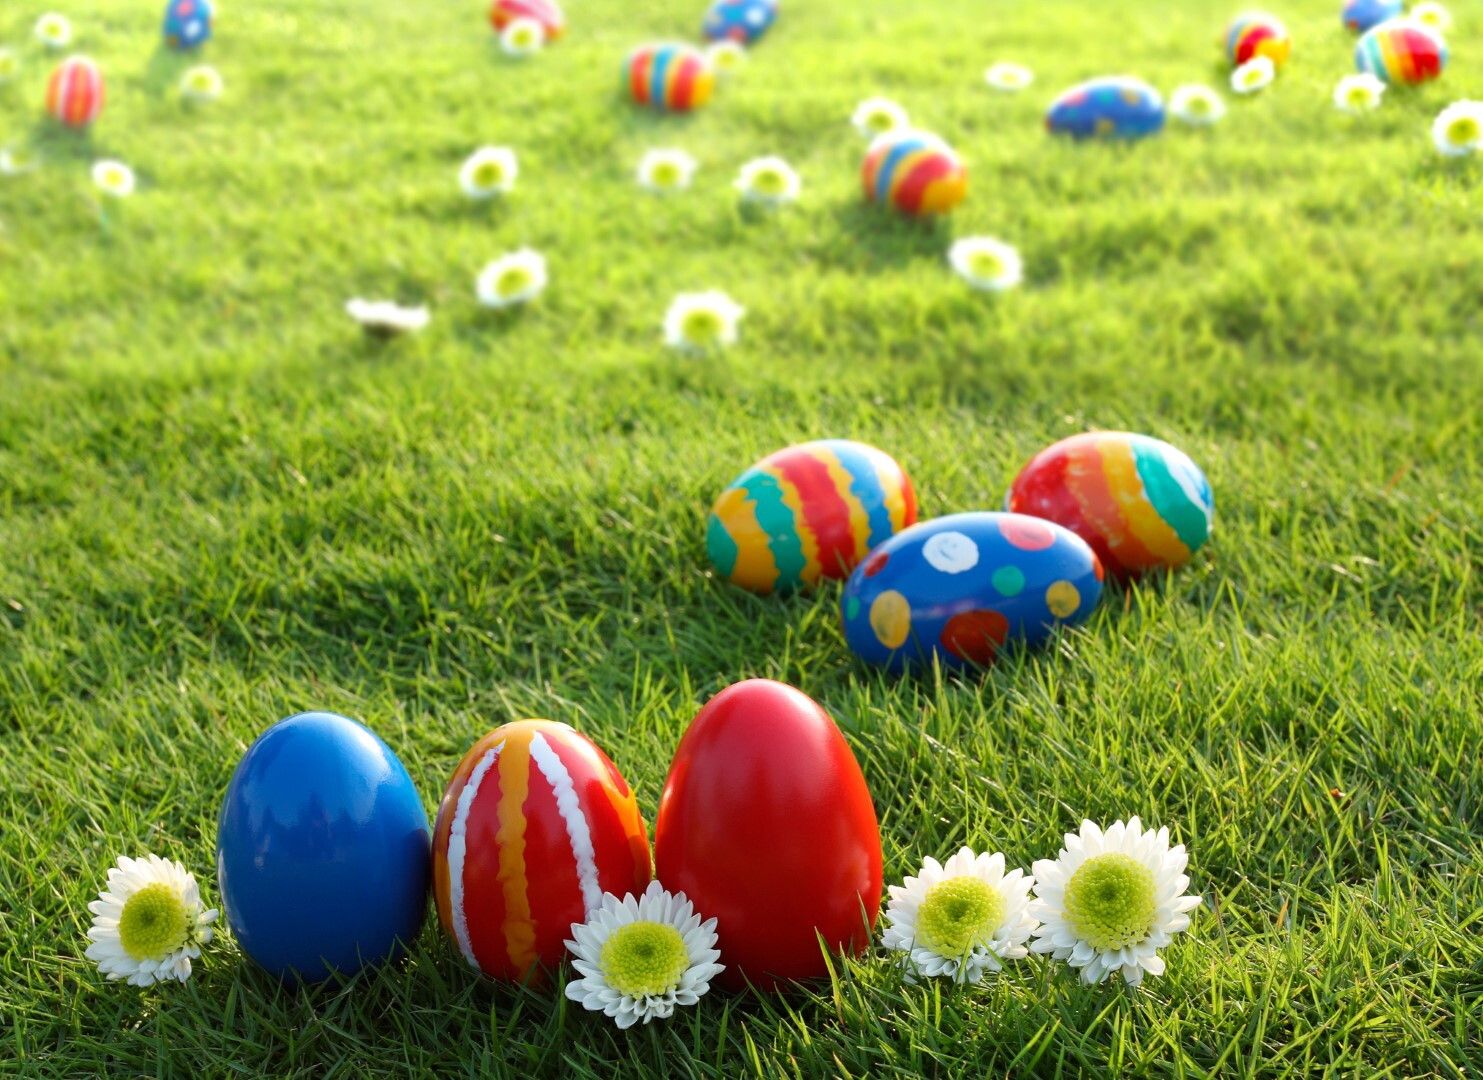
x=74 y=94
x=546 y=12
x=1254 y=34
x=1402 y=51
x=914 y=172
x=672 y=78
x=1117 y=107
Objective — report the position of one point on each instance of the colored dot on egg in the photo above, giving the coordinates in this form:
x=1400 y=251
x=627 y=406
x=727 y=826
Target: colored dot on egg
x=890 y=618
x=1063 y=599
x=1008 y=581
x=975 y=636
x=851 y=607
x=876 y=563
x=1027 y=534
x=951 y=552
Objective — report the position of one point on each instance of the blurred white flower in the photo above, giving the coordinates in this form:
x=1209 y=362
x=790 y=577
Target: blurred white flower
x=113 y=178
x=768 y=181
x=1358 y=93
x=1432 y=15
x=1256 y=74
x=522 y=37
x=10 y=65
x=666 y=170
x=986 y=263
x=385 y=317
x=1198 y=106
x=201 y=83
x=726 y=56
x=699 y=322
x=513 y=279
x=54 y=31
x=1009 y=77
x=489 y=171
x=878 y=115
x=1458 y=129
x=14 y=162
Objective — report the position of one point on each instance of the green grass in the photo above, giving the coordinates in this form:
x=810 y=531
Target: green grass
x=220 y=505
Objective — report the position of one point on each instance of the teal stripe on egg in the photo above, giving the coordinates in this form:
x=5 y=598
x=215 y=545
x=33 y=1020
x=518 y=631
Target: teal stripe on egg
x=720 y=547
x=865 y=485
x=777 y=521
x=1169 y=497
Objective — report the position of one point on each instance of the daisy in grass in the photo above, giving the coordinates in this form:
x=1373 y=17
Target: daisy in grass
x=149 y=923
x=201 y=83
x=959 y=919
x=1254 y=75
x=878 y=115
x=385 y=318
x=113 y=178
x=986 y=263
x=10 y=65
x=1359 y=93
x=522 y=37
x=699 y=322
x=726 y=56
x=1009 y=78
x=768 y=181
x=54 y=31
x=1458 y=129
x=664 y=171
x=513 y=279
x=14 y=162
x=640 y=958
x=489 y=171
x=1111 y=900
x=1198 y=106
x=1431 y=15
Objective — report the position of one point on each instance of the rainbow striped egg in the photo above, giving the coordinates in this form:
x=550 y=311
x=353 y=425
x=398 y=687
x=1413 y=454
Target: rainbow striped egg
x=74 y=95
x=534 y=827
x=674 y=78
x=808 y=512
x=546 y=12
x=915 y=172
x=1140 y=503
x=1360 y=15
x=1257 y=34
x=1402 y=51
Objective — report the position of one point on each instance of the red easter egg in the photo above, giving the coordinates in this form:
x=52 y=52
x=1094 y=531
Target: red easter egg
x=74 y=93
x=534 y=827
x=766 y=824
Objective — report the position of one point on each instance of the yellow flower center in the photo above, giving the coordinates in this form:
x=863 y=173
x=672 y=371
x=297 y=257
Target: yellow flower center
x=1464 y=130
x=154 y=922
x=701 y=326
x=665 y=174
x=770 y=182
x=644 y=958
x=986 y=264
x=512 y=280
x=1198 y=106
x=1359 y=96
x=524 y=37
x=880 y=121
x=488 y=174
x=958 y=915
x=1111 y=901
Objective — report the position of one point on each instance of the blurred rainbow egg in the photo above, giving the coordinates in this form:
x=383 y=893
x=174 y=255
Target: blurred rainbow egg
x=915 y=172
x=1256 y=34
x=546 y=12
x=1402 y=51
x=74 y=94
x=809 y=512
x=673 y=78
x=1115 y=107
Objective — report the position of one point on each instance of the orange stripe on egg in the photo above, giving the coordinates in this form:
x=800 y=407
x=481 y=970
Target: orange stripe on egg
x=514 y=782
x=755 y=566
x=1143 y=521
x=844 y=485
x=1089 y=486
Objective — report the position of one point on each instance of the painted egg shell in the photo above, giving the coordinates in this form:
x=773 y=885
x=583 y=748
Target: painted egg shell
x=742 y=21
x=321 y=849
x=1257 y=34
x=534 y=827
x=74 y=94
x=1139 y=502
x=915 y=172
x=1116 y=107
x=957 y=588
x=674 y=78
x=546 y=12
x=767 y=825
x=1401 y=51
x=187 y=23
x=808 y=512
x=1360 y=15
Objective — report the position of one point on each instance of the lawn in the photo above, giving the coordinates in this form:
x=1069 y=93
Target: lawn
x=220 y=504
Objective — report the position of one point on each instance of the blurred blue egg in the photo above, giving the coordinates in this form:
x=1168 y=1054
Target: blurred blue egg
x=1361 y=15
x=322 y=849
x=187 y=23
x=741 y=21
x=1118 y=107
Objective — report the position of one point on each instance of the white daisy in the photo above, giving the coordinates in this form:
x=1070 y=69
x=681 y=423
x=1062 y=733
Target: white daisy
x=1358 y=93
x=113 y=178
x=1458 y=129
x=148 y=924
x=1009 y=77
x=386 y=318
x=960 y=919
x=201 y=83
x=726 y=56
x=697 y=322
x=1431 y=15
x=54 y=31
x=14 y=162
x=1111 y=900
x=1198 y=106
x=522 y=37
x=986 y=263
x=516 y=278
x=489 y=171
x=876 y=116
x=1256 y=74
x=666 y=170
x=639 y=958
x=768 y=181
x=10 y=65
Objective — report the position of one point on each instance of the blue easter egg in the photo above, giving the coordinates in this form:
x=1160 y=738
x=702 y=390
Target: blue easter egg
x=322 y=849
x=958 y=588
x=1118 y=107
x=187 y=23
x=742 y=21
x=1361 y=15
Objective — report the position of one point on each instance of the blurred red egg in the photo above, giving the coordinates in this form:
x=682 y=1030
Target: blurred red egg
x=766 y=824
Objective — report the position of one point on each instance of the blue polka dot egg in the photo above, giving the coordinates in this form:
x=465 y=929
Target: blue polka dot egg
x=957 y=589
x=1118 y=107
x=187 y=23
x=741 y=21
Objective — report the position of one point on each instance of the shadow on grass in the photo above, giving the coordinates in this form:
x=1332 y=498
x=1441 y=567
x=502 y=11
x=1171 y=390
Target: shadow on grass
x=881 y=240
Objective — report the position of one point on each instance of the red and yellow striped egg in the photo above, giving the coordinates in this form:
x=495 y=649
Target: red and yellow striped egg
x=1256 y=34
x=534 y=827
x=75 y=93
x=675 y=78
x=546 y=12
x=915 y=172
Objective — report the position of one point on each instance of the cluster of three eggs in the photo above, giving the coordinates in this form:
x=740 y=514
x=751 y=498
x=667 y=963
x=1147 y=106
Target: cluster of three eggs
x=955 y=590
